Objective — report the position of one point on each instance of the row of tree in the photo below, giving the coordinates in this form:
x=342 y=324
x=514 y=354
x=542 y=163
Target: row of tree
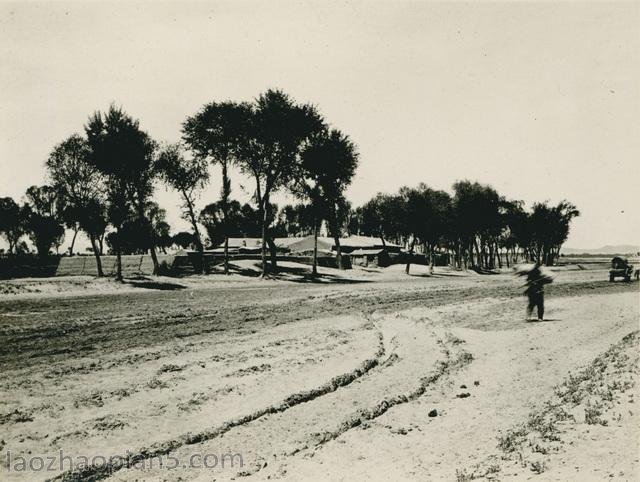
x=475 y=226
x=105 y=179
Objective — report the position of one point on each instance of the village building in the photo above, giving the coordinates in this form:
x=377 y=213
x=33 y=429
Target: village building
x=362 y=250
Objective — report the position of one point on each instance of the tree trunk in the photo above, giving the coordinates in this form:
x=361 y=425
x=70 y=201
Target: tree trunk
x=314 y=269
x=267 y=238
x=73 y=241
x=118 y=259
x=226 y=254
x=196 y=232
x=338 y=252
x=336 y=239
x=154 y=257
x=273 y=251
x=408 y=267
x=433 y=258
x=226 y=192
x=263 y=251
x=495 y=254
x=97 y=255
x=152 y=250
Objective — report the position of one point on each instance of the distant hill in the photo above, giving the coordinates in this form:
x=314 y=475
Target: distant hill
x=615 y=249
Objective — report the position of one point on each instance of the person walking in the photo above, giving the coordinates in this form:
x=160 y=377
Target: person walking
x=536 y=280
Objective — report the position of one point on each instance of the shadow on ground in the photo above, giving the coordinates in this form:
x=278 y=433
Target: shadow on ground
x=293 y=274
x=144 y=282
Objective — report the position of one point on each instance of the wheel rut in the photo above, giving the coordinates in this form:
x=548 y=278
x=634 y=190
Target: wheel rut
x=307 y=421
x=122 y=463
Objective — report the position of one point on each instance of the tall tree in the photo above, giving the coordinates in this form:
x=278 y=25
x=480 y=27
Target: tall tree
x=124 y=154
x=187 y=176
x=270 y=150
x=478 y=221
x=382 y=217
x=329 y=162
x=80 y=188
x=550 y=229
x=425 y=218
x=214 y=134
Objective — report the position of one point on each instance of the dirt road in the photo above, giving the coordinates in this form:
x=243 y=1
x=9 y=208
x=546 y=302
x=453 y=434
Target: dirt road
x=419 y=377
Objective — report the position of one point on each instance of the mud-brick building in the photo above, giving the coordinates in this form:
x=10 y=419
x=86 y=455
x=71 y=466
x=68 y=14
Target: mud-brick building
x=363 y=250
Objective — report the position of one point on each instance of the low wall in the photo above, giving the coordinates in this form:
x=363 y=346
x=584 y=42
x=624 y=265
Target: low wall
x=28 y=266
x=132 y=264
x=42 y=267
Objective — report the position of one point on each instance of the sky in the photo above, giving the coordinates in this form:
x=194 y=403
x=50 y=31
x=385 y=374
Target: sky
x=540 y=100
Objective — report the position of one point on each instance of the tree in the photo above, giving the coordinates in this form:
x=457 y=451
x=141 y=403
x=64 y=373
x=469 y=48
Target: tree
x=550 y=229
x=425 y=220
x=43 y=223
x=163 y=236
x=92 y=218
x=133 y=237
x=69 y=216
x=477 y=222
x=160 y=229
x=80 y=188
x=269 y=151
x=297 y=220
x=212 y=218
x=12 y=222
x=516 y=233
x=187 y=176
x=382 y=217
x=184 y=239
x=123 y=153
x=329 y=162
x=242 y=221
x=215 y=134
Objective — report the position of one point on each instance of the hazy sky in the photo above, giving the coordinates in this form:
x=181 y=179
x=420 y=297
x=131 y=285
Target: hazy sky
x=540 y=100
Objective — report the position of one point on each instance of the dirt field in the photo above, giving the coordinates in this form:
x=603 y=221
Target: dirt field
x=368 y=374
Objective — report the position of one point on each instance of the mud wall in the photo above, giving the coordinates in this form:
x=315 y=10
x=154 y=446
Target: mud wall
x=132 y=264
x=41 y=267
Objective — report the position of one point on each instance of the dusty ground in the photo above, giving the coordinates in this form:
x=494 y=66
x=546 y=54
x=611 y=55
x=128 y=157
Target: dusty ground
x=368 y=374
